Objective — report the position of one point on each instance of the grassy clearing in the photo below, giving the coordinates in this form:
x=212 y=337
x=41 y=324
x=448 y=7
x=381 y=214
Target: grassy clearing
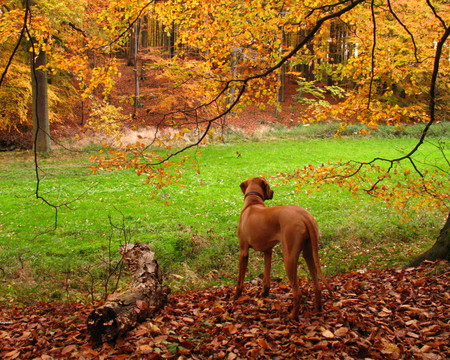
x=192 y=226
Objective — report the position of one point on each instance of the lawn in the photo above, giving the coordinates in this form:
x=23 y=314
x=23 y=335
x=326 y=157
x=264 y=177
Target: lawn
x=192 y=225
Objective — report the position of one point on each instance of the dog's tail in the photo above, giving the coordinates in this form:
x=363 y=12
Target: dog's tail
x=314 y=243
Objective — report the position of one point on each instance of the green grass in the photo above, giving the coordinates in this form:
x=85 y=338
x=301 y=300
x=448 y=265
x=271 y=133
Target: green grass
x=192 y=225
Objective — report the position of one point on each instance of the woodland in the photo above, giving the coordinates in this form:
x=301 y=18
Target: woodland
x=180 y=76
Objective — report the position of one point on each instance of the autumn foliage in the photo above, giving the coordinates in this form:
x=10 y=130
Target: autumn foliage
x=380 y=52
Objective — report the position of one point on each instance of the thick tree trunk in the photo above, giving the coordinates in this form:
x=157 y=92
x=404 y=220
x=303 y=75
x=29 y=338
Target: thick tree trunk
x=144 y=298
x=440 y=249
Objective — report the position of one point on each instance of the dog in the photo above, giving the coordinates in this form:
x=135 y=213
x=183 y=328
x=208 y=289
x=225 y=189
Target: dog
x=261 y=228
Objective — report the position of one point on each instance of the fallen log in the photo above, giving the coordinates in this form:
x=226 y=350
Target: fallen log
x=146 y=296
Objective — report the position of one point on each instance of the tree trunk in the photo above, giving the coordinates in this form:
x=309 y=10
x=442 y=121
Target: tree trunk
x=137 y=92
x=440 y=249
x=41 y=124
x=144 y=298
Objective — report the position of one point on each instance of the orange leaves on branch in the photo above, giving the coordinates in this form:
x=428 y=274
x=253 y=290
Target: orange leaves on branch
x=157 y=170
x=398 y=186
x=353 y=109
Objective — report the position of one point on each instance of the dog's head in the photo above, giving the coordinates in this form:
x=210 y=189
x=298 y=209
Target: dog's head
x=258 y=185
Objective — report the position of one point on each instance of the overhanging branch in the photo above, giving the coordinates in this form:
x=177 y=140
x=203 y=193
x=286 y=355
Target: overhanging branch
x=244 y=82
x=432 y=120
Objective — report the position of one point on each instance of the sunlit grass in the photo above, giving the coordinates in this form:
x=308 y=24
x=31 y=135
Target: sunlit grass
x=191 y=225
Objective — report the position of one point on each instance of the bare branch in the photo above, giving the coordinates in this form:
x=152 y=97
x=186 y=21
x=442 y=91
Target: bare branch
x=245 y=81
x=208 y=127
x=19 y=41
x=37 y=169
x=432 y=113
x=130 y=25
x=406 y=29
x=436 y=14
x=434 y=76
x=327 y=7
x=305 y=40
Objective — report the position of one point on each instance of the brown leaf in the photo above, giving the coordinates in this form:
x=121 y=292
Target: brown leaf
x=263 y=343
x=12 y=354
x=390 y=349
x=141 y=305
x=242 y=299
x=68 y=349
x=188 y=319
x=145 y=349
x=232 y=329
x=413 y=335
x=327 y=334
x=341 y=332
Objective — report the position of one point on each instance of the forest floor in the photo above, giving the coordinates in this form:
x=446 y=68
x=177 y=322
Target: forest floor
x=401 y=313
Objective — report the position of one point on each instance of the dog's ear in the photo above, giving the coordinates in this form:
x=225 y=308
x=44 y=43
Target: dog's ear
x=268 y=192
x=270 y=195
x=244 y=185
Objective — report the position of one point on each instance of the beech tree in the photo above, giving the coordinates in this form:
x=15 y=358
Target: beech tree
x=41 y=124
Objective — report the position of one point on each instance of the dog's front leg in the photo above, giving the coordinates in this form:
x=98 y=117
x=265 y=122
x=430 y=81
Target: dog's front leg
x=267 y=267
x=243 y=262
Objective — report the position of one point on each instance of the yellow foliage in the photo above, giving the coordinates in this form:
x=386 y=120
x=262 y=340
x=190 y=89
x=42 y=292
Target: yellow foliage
x=107 y=119
x=15 y=100
x=15 y=95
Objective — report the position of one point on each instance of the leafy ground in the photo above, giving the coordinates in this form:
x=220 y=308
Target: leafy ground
x=389 y=314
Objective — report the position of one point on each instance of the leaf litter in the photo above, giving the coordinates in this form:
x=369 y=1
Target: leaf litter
x=387 y=314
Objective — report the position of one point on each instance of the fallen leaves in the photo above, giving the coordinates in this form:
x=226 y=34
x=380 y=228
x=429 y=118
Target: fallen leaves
x=390 y=314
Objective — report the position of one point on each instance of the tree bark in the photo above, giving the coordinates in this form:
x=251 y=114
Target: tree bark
x=41 y=124
x=137 y=92
x=440 y=249
x=145 y=297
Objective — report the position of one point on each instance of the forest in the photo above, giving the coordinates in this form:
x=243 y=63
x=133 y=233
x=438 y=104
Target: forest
x=130 y=124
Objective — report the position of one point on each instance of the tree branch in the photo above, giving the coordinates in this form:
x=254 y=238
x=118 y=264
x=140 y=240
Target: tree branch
x=37 y=169
x=16 y=47
x=436 y=14
x=130 y=25
x=406 y=29
x=432 y=112
x=243 y=82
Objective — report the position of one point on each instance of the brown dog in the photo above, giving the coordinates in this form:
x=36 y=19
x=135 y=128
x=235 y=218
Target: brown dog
x=261 y=228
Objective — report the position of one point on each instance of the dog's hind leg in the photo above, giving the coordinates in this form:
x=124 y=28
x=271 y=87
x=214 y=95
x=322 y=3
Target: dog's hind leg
x=267 y=267
x=312 y=263
x=243 y=262
x=290 y=263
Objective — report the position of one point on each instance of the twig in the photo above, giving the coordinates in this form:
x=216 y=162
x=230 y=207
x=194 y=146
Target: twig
x=436 y=14
x=406 y=29
x=130 y=25
x=19 y=41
